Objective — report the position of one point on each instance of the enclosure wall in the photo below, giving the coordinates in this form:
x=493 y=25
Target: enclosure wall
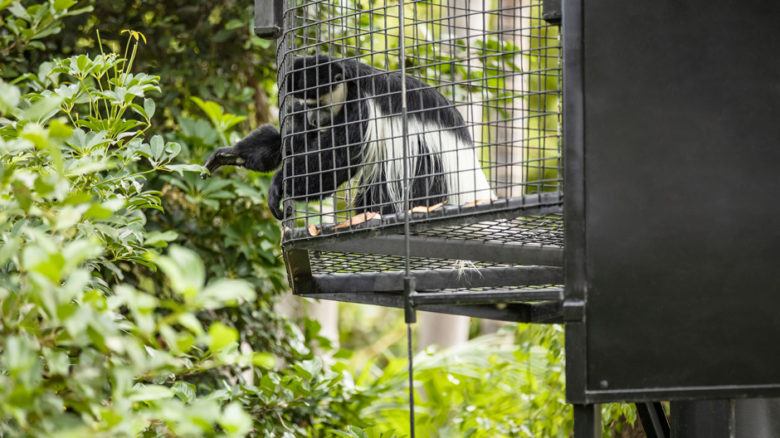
x=671 y=136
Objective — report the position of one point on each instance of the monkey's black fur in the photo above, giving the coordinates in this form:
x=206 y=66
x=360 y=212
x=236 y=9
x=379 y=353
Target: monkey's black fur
x=316 y=76
x=313 y=78
x=260 y=150
x=324 y=141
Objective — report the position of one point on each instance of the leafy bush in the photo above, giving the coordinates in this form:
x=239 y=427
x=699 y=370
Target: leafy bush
x=506 y=384
x=92 y=339
x=25 y=27
x=82 y=352
x=497 y=385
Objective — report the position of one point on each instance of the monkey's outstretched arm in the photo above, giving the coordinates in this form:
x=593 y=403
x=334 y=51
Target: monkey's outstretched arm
x=261 y=150
x=275 y=195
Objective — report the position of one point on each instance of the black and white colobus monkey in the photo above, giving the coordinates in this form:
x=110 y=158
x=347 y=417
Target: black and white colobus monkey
x=345 y=122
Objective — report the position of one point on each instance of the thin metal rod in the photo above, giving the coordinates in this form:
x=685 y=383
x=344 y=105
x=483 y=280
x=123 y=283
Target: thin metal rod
x=404 y=126
x=411 y=377
x=409 y=312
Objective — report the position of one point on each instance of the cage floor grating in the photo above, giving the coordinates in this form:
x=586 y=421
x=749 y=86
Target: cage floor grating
x=533 y=219
x=503 y=268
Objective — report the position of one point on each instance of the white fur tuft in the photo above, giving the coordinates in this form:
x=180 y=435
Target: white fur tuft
x=383 y=150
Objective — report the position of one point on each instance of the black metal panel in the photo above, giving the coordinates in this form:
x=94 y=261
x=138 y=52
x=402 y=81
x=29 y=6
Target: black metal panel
x=680 y=111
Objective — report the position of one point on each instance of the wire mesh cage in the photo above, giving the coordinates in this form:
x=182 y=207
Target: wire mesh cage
x=458 y=140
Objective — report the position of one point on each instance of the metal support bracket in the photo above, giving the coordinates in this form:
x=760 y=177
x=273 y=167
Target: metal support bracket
x=551 y=11
x=268 y=18
x=409 y=314
x=653 y=419
x=574 y=310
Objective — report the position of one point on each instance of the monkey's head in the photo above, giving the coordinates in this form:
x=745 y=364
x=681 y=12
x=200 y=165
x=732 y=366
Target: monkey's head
x=261 y=150
x=319 y=83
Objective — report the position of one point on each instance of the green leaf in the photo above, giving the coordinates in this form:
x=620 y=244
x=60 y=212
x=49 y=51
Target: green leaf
x=264 y=360
x=179 y=168
x=20 y=360
x=49 y=265
x=235 y=421
x=343 y=354
x=157 y=147
x=150 y=393
x=9 y=249
x=57 y=362
x=184 y=270
x=309 y=368
x=212 y=109
x=220 y=336
x=104 y=210
x=87 y=166
x=80 y=250
x=19 y=11
x=9 y=98
x=160 y=240
x=69 y=216
x=234 y=24
x=225 y=292
x=43 y=108
x=58 y=129
x=149 y=107
x=63 y=4
x=191 y=323
x=185 y=391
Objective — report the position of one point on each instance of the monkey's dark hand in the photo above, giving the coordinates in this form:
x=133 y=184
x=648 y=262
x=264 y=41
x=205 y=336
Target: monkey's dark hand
x=275 y=195
x=261 y=150
x=227 y=156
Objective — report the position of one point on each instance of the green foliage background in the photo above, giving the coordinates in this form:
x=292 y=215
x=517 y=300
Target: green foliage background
x=138 y=300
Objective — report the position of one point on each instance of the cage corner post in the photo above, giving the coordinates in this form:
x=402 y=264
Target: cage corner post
x=587 y=421
x=268 y=18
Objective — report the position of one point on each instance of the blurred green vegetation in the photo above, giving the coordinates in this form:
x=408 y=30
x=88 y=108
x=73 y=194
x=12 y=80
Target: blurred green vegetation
x=138 y=300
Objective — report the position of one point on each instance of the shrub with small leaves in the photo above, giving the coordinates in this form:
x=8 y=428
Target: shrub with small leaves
x=103 y=331
x=80 y=352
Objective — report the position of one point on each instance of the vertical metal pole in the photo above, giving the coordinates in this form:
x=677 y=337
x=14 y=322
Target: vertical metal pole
x=587 y=421
x=757 y=418
x=702 y=418
x=409 y=314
